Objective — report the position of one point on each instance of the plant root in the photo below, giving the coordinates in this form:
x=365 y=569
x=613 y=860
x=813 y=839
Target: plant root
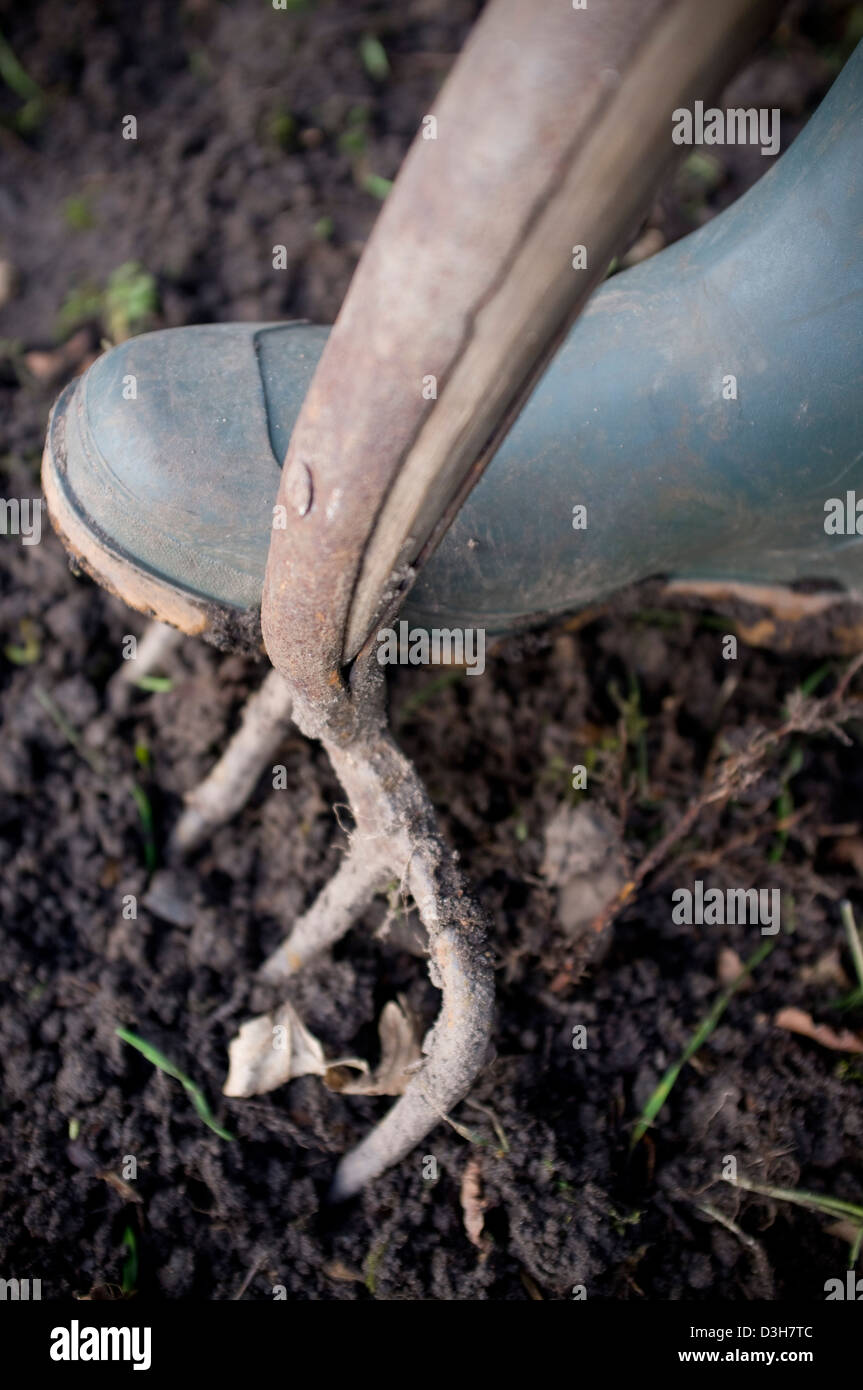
x=229 y=784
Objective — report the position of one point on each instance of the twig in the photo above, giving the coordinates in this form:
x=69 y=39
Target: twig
x=716 y=1215
x=736 y=774
x=846 y=912
x=258 y=1261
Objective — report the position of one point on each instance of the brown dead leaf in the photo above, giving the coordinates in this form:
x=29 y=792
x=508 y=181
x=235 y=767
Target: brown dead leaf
x=337 y=1269
x=826 y=970
x=275 y=1048
x=798 y=1021
x=401 y=1049
x=849 y=850
x=73 y=355
x=123 y=1188
x=729 y=968
x=844 y=1230
x=531 y=1286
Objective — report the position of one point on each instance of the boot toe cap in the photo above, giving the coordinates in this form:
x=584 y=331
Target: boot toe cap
x=164 y=450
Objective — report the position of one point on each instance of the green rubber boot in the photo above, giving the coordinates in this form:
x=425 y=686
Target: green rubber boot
x=703 y=421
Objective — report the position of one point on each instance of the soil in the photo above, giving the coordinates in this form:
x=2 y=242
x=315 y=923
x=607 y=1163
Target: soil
x=242 y=115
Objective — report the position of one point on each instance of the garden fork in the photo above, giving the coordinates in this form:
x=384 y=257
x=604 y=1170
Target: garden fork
x=537 y=163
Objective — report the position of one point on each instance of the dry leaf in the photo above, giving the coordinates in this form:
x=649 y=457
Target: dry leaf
x=844 y=1230
x=826 y=970
x=124 y=1189
x=473 y=1204
x=336 y=1269
x=273 y=1049
x=849 y=851
x=797 y=1021
x=583 y=860
x=51 y=365
x=400 y=1051
x=531 y=1286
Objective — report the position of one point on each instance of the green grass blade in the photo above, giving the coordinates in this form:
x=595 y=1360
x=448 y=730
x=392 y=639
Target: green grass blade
x=811 y=1201
x=14 y=76
x=145 y=813
x=163 y=1063
x=428 y=692
x=699 y=1037
x=154 y=684
x=56 y=715
x=129 y=1283
x=374 y=58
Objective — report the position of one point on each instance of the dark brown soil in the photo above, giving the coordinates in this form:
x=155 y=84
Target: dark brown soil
x=200 y=199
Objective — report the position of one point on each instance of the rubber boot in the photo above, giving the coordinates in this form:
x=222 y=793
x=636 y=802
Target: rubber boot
x=703 y=421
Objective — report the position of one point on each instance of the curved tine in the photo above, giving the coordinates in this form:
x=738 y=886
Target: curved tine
x=457 y=1045
x=231 y=781
x=333 y=912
